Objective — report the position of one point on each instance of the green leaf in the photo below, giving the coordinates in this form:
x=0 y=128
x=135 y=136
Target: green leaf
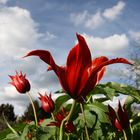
x=47 y=134
x=76 y=111
x=100 y=109
x=11 y=136
x=45 y=122
x=112 y=89
x=125 y=89
x=103 y=99
x=107 y=91
x=60 y=91
x=60 y=101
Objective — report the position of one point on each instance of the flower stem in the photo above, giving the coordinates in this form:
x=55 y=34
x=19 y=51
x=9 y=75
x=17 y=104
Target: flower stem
x=68 y=137
x=66 y=119
x=124 y=134
x=55 y=136
x=86 y=130
x=9 y=126
x=31 y=100
x=53 y=116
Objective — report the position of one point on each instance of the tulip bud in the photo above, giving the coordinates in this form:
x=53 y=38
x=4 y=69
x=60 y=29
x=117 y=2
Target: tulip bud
x=47 y=103
x=120 y=118
x=20 y=82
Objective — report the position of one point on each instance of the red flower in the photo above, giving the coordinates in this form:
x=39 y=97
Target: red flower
x=47 y=103
x=20 y=82
x=41 y=121
x=81 y=74
x=120 y=118
x=69 y=127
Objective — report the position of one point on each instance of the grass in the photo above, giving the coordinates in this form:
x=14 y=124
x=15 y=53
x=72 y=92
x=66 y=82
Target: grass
x=17 y=127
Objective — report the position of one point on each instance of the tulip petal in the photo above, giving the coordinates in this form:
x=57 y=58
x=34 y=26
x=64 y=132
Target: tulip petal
x=97 y=72
x=84 y=90
x=96 y=62
x=123 y=116
x=118 y=125
x=78 y=60
x=112 y=115
x=47 y=57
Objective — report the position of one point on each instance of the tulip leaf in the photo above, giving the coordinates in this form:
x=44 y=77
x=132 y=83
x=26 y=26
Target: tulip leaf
x=112 y=89
x=90 y=119
x=76 y=111
x=11 y=136
x=103 y=99
x=60 y=91
x=106 y=90
x=100 y=109
x=60 y=101
x=125 y=89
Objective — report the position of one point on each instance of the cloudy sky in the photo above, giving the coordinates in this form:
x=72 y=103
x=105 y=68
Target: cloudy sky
x=110 y=28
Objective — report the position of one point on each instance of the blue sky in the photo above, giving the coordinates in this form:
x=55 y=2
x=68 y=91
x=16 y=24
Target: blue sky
x=110 y=27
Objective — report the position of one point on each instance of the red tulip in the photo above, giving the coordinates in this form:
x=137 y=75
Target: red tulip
x=20 y=82
x=69 y=127
x=47 y=103
x=81 y=74
x=120 y=118
x=41 y=121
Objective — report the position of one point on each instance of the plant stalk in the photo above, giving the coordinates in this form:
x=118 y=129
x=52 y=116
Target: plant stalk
x=86 y=130
x=124 y=134
x=9 y=126
x=31 y=100
x=53 y=116
x=66 y=119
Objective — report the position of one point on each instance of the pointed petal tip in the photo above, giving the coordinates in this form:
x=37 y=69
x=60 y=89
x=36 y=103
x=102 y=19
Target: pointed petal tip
x=77 y=34
x=123 y=60
x=10 y=76
x=24 y=56
x=109 y=106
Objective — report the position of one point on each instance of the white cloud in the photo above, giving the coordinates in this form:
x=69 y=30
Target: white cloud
x=135 y=36
x=86 y=19
x=108 y=45
x=3 y=1
x=18 y=32
x=79 y=18
x=112 y=13
x=94 y=21
x=48 y=36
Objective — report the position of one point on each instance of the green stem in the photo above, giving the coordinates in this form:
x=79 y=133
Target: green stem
x=55 y=136
x=9 y=126
x=131 y=130
x=86 y=130
x=124 y=134
x=66 y=119
x=53 y=116
x=68 y=137
x=31 y=100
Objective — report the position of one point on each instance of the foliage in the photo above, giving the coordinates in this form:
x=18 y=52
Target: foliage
x=19 y=127
x=97 y=121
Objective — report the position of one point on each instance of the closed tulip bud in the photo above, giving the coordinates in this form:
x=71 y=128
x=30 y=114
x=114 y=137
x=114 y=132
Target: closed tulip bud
x=20 y=82
x=47 y=103
x=120 y=118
